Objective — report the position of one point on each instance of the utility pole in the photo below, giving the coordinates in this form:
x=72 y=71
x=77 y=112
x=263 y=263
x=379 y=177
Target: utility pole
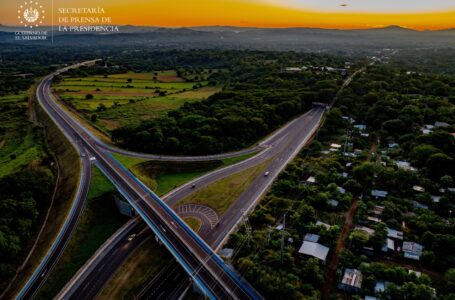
x=282 y=237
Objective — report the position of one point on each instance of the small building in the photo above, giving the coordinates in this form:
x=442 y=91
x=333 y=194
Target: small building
x=435 y=199
x=333 y=203
x=412 y=250
x=341 y=190
x=379 y=194
x=380 y=286
x=388 y=245
x=311 y=237
x=417 y=273
x=311 y=180
x=351 y=281
x=319 y=223
x=393 y=145
x=441 y=124
x=370 y=298
x=314 y=249
x=226 y=253
x=405 y=165
x=394 y=234
x=418 y=188
x=293 y=69
x=336 y=146
x=373 y=219
x=279 y=227
x=416 y=204
x=368 y=231
x=360 y=127
x=377 y=210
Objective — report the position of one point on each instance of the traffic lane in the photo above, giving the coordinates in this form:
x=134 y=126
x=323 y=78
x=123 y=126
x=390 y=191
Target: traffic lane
x=277 y=147
x=258 y=186
x=177 y=239
x=94 y=283
x=188 y=240
x=61 y=243
x=255 y=187
x=188 y=245
x=171 y=278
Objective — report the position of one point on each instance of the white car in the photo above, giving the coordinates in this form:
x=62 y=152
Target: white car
x=266 y=174
x=131 y=237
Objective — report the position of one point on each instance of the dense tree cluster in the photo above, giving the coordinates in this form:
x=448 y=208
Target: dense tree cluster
x=23 y=197
x=258 y=97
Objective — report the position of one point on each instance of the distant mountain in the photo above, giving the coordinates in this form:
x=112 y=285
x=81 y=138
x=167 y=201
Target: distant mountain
x=229 y=37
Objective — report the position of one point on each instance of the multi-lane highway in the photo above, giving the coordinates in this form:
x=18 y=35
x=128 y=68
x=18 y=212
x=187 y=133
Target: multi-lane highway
x=280 y=149
x=210 y=273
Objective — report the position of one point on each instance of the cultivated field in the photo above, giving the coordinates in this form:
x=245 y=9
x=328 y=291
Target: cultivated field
x=121 y=99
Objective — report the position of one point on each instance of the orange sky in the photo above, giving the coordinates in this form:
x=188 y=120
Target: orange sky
x=254 y=13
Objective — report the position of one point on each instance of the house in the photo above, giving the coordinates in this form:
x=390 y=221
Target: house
x=360 y=127
x=341 y=190
x=351 y=281
x=344 y=175
x=226 y=253
x=418 y=189
x=412 y=250
x=394 y=234
x=373 y=219
x=311 y=180
x=293 y=69
x=416 y=204
x=368 y=231
x=377 y=210
x=370 y=298
x=310 y=237
x=379 y=194
x=435 y=199
x=365 y=134
x=333 y=203
x=388 y=245
x=441 y=124
x=380 y=286
x=314 y=249
x=319 y=223
x=417 y=273
x=404 y=165
x=279 y=227
x=393 y=145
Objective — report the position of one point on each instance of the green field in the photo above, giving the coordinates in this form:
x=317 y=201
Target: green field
x=221 y=194
x=130 y=98
x=20 y=143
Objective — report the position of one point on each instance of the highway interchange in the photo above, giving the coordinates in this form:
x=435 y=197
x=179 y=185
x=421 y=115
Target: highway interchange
x=278 y=150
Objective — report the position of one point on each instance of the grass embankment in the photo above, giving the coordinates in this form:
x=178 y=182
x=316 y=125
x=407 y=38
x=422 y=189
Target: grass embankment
x=136 y=272
x=98 y=222
x=162 y=177
x=222 y=193
x=194 y=223
x=130 y=98
x=67 y=158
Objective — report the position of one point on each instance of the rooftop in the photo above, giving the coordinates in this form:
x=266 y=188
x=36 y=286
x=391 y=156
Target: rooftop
x=314 y=249
x=352 y=277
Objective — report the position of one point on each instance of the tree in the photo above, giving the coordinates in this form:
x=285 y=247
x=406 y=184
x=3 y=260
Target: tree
x=129 y=80
x=93 y=117
x=89 y=96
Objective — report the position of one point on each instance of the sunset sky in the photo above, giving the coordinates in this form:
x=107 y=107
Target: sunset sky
x=417 y=14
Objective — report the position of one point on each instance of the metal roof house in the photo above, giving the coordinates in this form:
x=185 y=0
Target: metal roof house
x=351 y=281
x=379 y=194
x=314 y=249
x=412 y=250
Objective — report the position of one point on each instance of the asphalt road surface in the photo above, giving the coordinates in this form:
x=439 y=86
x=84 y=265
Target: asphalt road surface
x=199 y=260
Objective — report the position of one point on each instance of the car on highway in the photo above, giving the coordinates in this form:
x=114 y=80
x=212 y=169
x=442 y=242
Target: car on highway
x=131 y=237
x=266 y=174
x=192 y=186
